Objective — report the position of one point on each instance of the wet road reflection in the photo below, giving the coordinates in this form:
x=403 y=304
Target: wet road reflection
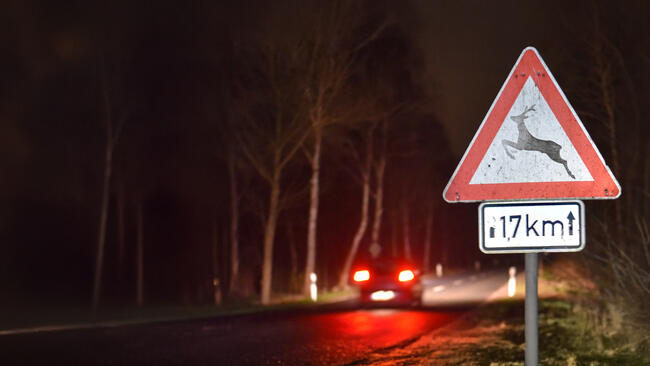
x=335 y=338
x=322 y=337
x=332 y=335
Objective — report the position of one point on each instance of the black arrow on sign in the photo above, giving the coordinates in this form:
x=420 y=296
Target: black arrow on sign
x=570 y=218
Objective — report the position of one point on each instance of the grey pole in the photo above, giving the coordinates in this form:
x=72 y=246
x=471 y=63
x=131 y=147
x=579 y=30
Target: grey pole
x=531 y=310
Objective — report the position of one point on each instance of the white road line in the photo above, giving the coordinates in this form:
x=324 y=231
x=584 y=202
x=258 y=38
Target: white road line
x=439 y=288
x=52 y=328
x=105 y=324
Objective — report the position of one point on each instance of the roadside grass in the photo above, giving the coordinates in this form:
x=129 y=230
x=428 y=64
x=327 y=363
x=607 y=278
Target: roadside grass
x=570 y=324
x=565 y=337
x=493 y=335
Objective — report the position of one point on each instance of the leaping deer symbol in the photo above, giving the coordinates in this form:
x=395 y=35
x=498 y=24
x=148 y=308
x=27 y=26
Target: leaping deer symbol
x=526 y=141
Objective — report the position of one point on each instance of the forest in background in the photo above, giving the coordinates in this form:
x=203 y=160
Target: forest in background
x=133 y=134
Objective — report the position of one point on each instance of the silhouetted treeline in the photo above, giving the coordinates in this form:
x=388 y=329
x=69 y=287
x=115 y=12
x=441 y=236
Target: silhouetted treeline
x=147 y=101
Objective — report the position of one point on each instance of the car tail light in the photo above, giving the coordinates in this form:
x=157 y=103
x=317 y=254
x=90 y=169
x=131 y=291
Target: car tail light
x=360 y=276
x=406 y=275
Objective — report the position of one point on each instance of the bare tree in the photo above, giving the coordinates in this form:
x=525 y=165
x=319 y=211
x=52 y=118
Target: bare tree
x=394 y=241
x=139 y=258
x=609 y=94
x=406 y=229
x=428 y=232
x=270 y=133
x=214 y=254
x=238 y=173
x=234 y=221
x=114 y=119
x=294 y=283
x=380 y=168
x=331 y=49
x=364 y=162
x=121 y=223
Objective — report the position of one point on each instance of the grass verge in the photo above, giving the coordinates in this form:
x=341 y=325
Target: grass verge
x=493 y=334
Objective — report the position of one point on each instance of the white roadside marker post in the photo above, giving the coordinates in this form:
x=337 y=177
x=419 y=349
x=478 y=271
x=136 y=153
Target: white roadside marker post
x=313 y=289
x=512 y=281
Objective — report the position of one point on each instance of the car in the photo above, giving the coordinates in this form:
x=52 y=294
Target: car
x=387 y=281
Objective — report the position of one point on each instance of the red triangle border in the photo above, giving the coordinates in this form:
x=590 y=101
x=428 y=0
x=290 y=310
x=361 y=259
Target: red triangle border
x=531 y=65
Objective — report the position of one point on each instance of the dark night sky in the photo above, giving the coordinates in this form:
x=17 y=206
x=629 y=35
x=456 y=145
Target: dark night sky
x=470 y=47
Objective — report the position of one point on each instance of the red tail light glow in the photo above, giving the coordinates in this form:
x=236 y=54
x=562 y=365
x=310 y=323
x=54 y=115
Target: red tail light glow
x=406 y=275
x=360 y=276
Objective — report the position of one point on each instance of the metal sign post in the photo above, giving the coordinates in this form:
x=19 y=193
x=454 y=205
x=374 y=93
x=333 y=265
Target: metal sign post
x=531 y=146
x=531 y=227
x=531 y=310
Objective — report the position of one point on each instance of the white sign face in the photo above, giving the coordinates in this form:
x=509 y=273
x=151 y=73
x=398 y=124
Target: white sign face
x=529 y=227
x=530 y=146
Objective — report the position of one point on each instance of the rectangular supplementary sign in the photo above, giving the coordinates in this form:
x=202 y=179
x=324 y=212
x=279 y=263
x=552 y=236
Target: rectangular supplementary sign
x=528 y=227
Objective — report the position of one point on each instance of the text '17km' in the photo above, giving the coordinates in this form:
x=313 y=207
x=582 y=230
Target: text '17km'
x=528 y=226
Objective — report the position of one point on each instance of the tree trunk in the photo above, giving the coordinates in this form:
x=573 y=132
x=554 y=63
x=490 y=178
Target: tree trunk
x=605 y=83
x=393 y=235
x=646 y=188
x=427 y=239
x=365 y=203
x=406 y=223
x=445 y=240
x=356 y=241
x=103 y=218
x=216 y=283
x=121 y=201
x=313 y=208
x=269 y=237
x=379 y=200
x=294 y=282
x=140 y=257
x=111 y=141
x=234 y=224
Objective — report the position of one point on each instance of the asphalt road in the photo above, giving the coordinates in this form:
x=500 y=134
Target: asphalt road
x=330 y=335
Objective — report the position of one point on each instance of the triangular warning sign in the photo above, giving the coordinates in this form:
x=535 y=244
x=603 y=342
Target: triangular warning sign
x=531 y=145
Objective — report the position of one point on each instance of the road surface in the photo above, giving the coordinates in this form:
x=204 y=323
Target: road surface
x=332 y=335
